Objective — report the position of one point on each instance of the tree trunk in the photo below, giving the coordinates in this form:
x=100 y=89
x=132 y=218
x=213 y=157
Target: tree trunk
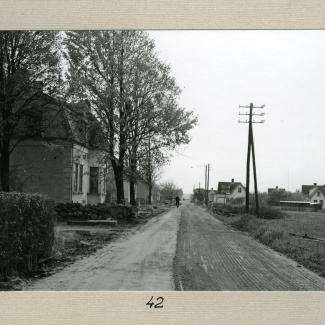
x=133 y=201
x=5 y=167
x=150 y=192
x=118 y=174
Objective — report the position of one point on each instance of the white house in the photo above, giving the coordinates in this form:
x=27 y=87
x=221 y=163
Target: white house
x=316 y=193
x=230 y=190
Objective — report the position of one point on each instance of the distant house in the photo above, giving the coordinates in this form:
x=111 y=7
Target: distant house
x=66 y=162
x=270 y=190
x=315 y=193
x=230 y=190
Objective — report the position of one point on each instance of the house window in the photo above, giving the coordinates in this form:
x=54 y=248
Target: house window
x=318 y=193
x=104 y=180
x=315 y=201
x=81 y=174
x=93 y=180
x=321 y=201
x=78 y=178
x=239 y=189
x=75 y=181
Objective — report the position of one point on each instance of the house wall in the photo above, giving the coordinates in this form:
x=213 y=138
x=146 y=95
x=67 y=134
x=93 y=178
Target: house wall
x=51 y=171
x=95 y=158
x=155 y=194
x=80 y=156
x=235 y=194
x=126 y=188
x=317 y=199
x=142 y=192
x=42 y=170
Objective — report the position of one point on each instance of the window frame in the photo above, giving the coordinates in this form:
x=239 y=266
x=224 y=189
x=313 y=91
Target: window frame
x=91 y=182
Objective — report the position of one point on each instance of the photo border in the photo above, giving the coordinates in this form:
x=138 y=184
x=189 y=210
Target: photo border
x=179 y=307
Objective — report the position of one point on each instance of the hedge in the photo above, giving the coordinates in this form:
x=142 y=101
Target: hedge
x=26 y=230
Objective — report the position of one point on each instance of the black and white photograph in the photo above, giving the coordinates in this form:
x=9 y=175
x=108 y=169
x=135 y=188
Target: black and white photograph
x=162 y=160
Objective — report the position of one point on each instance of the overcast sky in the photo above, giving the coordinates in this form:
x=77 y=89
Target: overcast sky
x=218 y=70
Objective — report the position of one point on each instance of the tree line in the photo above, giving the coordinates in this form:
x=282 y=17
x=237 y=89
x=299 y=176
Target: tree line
x=116 y=75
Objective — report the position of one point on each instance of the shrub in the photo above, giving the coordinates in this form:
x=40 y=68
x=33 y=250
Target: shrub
x=246 y=223
x=267 y=212
x=238 y=201
x=26 y=230
x=234 y=208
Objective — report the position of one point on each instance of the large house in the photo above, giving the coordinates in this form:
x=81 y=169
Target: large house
x=315 y=193
x=66 y=162
x=230 y=190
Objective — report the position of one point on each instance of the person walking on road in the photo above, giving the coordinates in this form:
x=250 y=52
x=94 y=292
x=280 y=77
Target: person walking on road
x=177 y=201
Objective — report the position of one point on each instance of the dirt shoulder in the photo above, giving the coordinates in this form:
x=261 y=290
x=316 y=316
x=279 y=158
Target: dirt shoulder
x=212 y=256
x=140 y=259
x=74 y=243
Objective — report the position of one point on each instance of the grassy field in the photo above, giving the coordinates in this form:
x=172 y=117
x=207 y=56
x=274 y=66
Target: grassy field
x=276 y=234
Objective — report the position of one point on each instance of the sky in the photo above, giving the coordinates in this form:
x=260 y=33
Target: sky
x=220 y=70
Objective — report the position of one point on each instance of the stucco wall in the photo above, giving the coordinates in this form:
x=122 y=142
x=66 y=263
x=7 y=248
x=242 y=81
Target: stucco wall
x=318 y=199
x=43 y=170
x=235 y=194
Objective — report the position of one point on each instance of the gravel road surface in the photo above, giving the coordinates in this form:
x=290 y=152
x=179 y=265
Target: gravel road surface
x=142 y=260
x=212 y=256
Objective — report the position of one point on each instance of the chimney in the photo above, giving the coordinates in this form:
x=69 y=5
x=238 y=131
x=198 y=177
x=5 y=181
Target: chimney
x=232 y=180
x=315 y=184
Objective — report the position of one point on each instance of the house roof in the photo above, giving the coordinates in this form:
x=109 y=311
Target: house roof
x=270 y=190
x=228 y=187
x=76 y=123
x=306 y=188
x=316 y=189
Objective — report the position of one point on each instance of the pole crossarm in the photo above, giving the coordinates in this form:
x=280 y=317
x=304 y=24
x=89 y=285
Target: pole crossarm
x=249 y=106
x=262 y=121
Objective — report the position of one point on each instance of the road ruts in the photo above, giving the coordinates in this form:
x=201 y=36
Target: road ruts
x=211 y=256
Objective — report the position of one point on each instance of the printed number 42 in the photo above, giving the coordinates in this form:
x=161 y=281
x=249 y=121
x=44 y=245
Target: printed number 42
x=157 y=305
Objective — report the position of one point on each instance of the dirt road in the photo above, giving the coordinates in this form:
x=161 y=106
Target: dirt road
x=183 y=249
x=141 y=261
x=211 y=256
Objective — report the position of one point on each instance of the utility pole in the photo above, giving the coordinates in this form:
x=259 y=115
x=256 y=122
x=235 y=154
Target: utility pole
x=208 y=183
x=199 y=191
x=251 y=146
x=205 y=184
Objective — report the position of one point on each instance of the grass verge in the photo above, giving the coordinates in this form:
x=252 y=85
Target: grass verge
x=275 y=233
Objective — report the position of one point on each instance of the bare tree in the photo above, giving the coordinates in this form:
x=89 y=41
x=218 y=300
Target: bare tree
x=130 y=92
x=169 y=190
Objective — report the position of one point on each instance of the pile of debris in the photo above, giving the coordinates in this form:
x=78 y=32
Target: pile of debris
x=223 y=211
x=101 y=211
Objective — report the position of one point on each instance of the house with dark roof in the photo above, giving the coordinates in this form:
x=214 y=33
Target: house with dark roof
x=270 y=190
x=230 y=190
x=66 y=162
x=315 y=193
